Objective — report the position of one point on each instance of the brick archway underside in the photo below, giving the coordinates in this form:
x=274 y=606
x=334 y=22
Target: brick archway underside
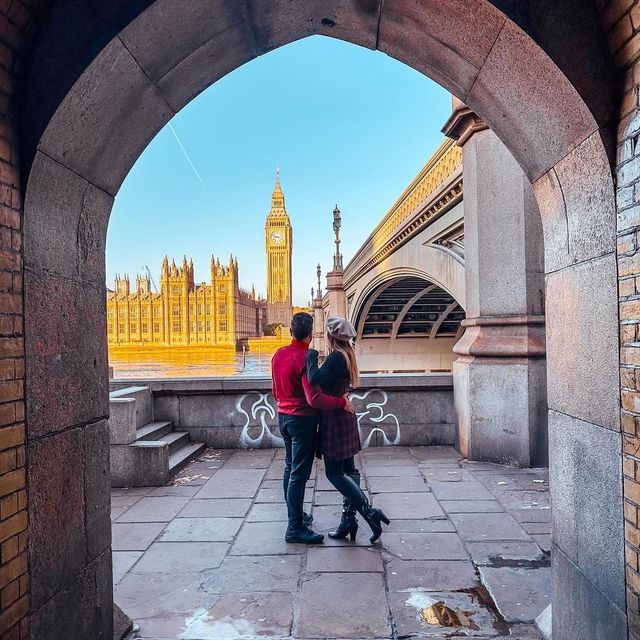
x=105 y=77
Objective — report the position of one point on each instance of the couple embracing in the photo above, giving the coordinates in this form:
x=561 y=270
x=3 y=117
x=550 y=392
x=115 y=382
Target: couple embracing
x=315 y=416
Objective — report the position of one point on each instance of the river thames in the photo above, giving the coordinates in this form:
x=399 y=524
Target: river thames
x=172 y=363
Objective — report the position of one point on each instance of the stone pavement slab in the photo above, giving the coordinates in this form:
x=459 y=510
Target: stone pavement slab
x=186 y=491
x=201 y=530
x=531 y=515
x=264 y=539
x=161 y=603
x=428 y=454
x=356 y=602
x=391 y=471
x=161 y=509
x=501 y=553
x=460 y=491
x=249 y=615
x=410 y=484
x=425 y=546
x=442 y=525
x=134 y=536
x=524 y=499
x=446 y=475
x=520 y=594
x=216 y=508
x=471 y=506
x=181 y=557
x=343 y=559
x=232 y=483
x=430 y=575
x=122 y=563
x=409 y=506
x=478 y=527
x=257 y=573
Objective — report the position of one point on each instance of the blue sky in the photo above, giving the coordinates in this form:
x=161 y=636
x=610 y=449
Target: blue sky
x=345 y=125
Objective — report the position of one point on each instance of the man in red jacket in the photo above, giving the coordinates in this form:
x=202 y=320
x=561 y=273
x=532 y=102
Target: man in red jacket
x=298 y=403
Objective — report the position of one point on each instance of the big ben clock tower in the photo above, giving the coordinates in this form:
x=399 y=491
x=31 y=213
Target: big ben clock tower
x=279 y=245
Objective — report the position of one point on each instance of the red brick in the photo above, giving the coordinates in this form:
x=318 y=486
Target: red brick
x=11 y=347
x=9 y=217
x=12 y=482
x=620 y=33
x=627 y=287
x=10 y=390
x=11 y=436
x=14 y=613
x=614 y=11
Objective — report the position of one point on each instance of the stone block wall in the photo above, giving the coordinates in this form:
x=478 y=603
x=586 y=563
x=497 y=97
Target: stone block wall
x=621 y=20
x=231 y=413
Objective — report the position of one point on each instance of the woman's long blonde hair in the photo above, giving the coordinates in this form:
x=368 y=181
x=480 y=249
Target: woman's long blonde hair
x=347 y=349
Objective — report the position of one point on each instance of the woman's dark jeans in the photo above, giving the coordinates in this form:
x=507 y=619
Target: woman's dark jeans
x=299 y=434
x=339 y=475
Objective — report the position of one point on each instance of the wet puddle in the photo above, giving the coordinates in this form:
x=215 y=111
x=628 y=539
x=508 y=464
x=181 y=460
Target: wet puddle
x=443 y=616
x=457 y=613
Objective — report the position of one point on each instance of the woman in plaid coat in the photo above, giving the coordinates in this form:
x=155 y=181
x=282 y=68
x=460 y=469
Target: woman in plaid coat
x=339 y=439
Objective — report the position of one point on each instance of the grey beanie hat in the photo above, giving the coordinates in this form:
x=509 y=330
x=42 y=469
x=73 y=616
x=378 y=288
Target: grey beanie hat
x=340 y=328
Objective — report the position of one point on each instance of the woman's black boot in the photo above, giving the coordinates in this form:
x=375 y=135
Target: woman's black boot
x=373 y=517
x=348 y=524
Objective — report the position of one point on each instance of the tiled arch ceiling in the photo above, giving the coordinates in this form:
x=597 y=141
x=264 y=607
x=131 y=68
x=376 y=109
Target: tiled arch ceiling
x=410 y=307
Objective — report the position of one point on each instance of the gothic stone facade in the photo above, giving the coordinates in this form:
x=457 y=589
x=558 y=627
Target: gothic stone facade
x=183 y=312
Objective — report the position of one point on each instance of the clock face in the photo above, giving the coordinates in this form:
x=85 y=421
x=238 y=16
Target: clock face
x=277 y=237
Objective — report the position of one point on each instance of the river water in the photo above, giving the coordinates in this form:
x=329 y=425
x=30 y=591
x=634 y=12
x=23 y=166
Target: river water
x=173 y=363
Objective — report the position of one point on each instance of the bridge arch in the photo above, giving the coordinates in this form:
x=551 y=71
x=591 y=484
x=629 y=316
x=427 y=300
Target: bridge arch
x=105 y=77
x=407 y=323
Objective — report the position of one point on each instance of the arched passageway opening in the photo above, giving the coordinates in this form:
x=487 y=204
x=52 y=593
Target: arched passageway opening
x=95 y=96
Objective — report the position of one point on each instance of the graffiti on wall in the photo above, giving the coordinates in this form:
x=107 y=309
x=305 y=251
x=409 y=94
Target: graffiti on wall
x=260 y=427
x=374 y=410
x=260 y=421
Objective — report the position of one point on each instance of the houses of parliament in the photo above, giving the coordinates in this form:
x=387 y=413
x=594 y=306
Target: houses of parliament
x=214 y=313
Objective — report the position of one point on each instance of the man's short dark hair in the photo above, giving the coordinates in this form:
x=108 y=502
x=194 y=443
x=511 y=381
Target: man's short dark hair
x=301 y=325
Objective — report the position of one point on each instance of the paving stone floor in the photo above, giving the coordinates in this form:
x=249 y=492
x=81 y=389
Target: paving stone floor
x=205 y=557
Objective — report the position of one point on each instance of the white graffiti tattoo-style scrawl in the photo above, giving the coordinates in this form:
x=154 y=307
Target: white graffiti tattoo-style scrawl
x=257 y=417
x=375 y=412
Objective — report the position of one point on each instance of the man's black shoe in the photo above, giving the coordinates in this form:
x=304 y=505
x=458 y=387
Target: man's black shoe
x=307 y=519
x=303 y=535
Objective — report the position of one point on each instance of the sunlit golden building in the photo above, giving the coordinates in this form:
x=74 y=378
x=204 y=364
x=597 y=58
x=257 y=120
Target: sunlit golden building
x=279 y=247
x=182 y=312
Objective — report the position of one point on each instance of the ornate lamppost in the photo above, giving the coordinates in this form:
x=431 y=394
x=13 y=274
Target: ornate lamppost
x=337 y=222
x=319 y=273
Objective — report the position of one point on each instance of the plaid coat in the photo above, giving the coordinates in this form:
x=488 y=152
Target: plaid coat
x=339 y=436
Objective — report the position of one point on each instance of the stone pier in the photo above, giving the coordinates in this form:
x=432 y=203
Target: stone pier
x=500 y=373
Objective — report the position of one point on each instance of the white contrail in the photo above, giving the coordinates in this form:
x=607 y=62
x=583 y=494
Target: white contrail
x=186 y=155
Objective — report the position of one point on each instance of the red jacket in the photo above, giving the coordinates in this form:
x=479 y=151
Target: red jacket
x=291 y=389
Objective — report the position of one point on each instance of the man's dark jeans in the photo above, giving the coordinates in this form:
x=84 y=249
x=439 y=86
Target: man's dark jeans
x=299 y=434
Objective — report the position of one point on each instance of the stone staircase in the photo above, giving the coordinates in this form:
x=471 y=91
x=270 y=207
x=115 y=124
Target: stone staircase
x=144 y=452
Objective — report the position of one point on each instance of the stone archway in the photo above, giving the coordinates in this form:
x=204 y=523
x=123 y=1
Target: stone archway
x=94 y=103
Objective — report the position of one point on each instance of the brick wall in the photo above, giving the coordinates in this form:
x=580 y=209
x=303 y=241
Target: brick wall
x=621 y=21
x=17 y=19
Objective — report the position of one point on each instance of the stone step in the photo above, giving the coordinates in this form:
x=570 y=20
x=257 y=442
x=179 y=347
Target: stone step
x=176 y=440
x=154 y=430
x=183 y=455
x=144 y=402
